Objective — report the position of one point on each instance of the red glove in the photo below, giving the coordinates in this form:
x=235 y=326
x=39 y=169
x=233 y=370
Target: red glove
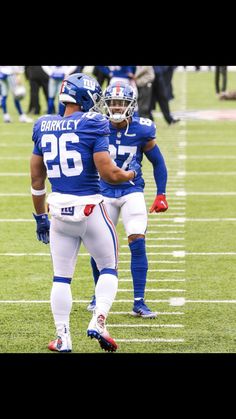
x=160 y=204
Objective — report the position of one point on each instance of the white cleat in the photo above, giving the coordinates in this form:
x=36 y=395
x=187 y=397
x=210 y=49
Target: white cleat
x=25 y=118
x=61 y=344
x=6 y=117
x=97 y=330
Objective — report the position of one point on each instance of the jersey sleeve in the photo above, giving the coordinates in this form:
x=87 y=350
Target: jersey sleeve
x=35 y=138
x=98 y=126
x=147 y=130
x=150 y=130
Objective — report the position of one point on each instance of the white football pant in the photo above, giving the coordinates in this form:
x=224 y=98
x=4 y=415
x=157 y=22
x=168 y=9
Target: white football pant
x=132 y=208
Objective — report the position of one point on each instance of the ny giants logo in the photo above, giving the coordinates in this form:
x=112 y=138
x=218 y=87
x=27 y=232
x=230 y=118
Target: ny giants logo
x=89 y=84
x=68 y=211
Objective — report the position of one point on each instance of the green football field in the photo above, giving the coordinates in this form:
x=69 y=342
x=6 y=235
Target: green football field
x=191 y=248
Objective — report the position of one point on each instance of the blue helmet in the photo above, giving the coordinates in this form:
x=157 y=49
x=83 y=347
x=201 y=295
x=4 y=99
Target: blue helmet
x=119 y=101
x=83 y=90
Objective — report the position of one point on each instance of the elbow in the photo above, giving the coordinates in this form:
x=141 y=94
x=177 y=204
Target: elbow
x=37 y=183
x=111 y=178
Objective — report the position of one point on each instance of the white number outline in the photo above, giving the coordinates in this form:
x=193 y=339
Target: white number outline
x=121 y=150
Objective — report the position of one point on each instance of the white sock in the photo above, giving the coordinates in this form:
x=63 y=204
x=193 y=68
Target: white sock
x=61 y=304
x=105 y=292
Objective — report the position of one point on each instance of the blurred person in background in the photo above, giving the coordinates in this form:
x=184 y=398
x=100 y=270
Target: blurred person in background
x=160 y=95
x=56 y=75
x=37 y=79
x=220 y=78
x=123 y=74
x=101 y=75
x=11 y=79
x=144 y=76
x=168 y=76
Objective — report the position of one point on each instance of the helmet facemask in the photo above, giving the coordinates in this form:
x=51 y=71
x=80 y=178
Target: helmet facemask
x=118 y=109
x=119 y=102
x=97 y=100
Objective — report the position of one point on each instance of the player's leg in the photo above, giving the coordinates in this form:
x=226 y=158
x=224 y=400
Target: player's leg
x=13 y=81
x=52 y=88
x=64 y=243
x=113 y=209
x=4 y=94
x=134 y=216
x=101 y=241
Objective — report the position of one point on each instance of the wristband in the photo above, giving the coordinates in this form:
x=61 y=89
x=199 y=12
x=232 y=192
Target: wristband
x=38 y=192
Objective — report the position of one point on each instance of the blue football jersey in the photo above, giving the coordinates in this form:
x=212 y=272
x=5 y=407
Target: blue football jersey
x=67 y=145
x=122 y=146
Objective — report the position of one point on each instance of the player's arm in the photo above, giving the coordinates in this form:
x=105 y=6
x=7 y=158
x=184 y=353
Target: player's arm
x=38 y=177
x=154 y=155
x=111 y=173
x=38 y=190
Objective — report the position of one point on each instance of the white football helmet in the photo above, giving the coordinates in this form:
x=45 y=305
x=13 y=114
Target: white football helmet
x=19 y=92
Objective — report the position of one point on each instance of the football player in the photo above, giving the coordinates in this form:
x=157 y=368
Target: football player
x=10 y=79
x=56 y=74
x=132 y=136
x=70 y=151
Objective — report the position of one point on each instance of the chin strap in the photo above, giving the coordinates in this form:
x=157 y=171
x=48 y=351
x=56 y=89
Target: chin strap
x=127 y=128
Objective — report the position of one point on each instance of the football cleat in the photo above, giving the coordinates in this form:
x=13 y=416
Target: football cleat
x=6 y=117
x=61 y=344
x=25 y=118
x=140 y=309
x=92 y=304
x=97 y=330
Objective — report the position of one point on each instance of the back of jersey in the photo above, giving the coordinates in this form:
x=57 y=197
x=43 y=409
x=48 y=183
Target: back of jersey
x=67 y=145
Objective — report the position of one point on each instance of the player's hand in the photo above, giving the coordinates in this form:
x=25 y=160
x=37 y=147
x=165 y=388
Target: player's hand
x=57 y=76
x=160 y=204
x=135 y=166
x=43 y=226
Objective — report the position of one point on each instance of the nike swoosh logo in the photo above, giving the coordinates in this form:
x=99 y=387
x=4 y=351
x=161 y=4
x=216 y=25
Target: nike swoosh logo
x=163 y=203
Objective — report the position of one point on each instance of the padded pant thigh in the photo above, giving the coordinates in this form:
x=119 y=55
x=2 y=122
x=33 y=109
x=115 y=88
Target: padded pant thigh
x=101 y=238
x=134 y=214
x=65 y=242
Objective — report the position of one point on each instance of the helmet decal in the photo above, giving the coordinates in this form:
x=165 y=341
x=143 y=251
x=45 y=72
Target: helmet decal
x=82 y=90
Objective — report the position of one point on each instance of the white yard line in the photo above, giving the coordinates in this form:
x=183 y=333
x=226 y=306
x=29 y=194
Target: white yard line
x=158 y=340
x=156 y=270
x=14 y=158
x=159 y=313
x=146 y=325
x=207 y=174
x=16 y=220
x=153 y=223
x=204 y=157
x=214 y=220
x=124 y=301
x=14 y=174
x=187 y=193
x=157 y=262
x=153 y=289
x=154 y=280
x=87 y=255
x=154 y=232
x=159 y=245
x=13 y=194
